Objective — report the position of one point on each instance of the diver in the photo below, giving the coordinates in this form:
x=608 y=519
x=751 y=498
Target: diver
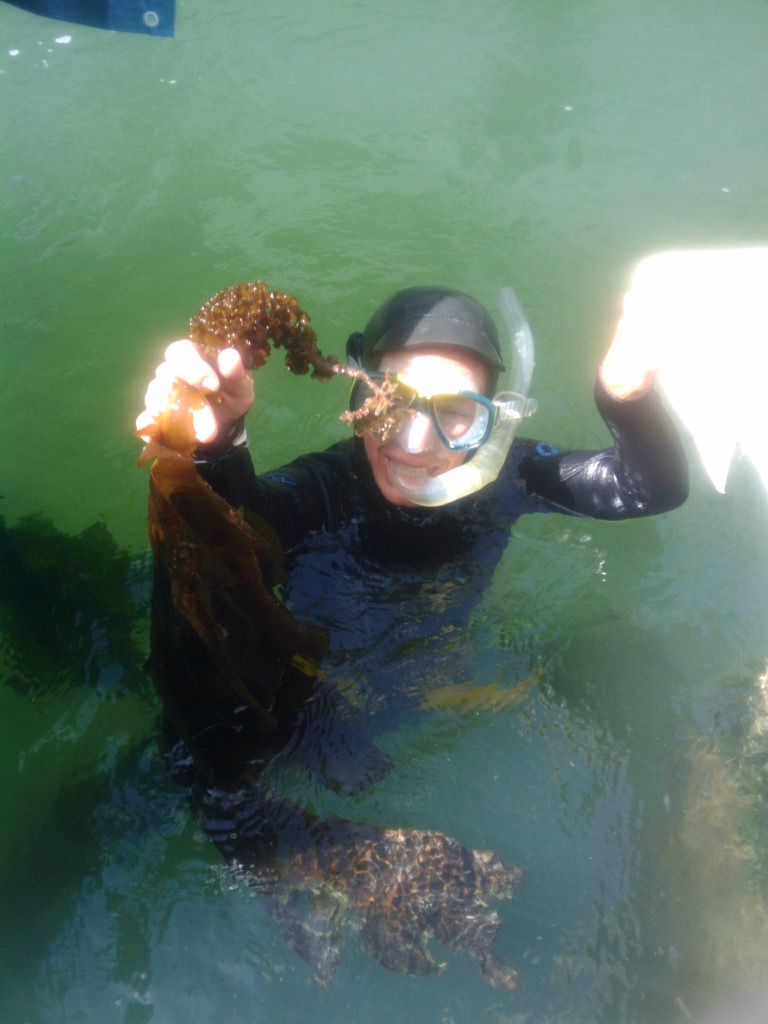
x=392 y=540
x=454 y=461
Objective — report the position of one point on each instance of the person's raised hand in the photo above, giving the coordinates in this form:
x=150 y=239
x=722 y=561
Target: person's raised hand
x=631 y=364
x=226 y=391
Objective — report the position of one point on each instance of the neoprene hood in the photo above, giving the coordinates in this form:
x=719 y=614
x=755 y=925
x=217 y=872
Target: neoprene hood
x=424 y=317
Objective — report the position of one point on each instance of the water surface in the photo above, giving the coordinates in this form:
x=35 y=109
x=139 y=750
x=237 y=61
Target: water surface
x=340 y=153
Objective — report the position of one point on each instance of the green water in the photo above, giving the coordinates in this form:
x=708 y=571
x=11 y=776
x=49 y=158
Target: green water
x=340 y=151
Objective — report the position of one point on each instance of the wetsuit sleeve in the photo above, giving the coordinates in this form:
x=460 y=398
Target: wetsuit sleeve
x=645 y=471
x=306 y=495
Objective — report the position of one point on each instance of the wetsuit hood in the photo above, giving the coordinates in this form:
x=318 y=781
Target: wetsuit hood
x=425 y=317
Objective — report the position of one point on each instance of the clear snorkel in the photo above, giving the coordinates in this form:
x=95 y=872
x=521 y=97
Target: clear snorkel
x=512 y=407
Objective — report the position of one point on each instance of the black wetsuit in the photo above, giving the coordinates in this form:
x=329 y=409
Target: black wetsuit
x=391 y=583
x=644 y=473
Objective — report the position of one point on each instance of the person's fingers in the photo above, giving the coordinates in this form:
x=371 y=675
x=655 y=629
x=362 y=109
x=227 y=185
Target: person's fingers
x=236 y=386
x=228 y=381
x=158 y=393
x=183 y=360
x=629 y=367
x=231 y=365
x=143 y=420
x=204 y=424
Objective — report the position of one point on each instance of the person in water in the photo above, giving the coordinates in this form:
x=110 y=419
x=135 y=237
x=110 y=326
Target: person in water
x=389 y=546
x=391 y=539
x=444 y=349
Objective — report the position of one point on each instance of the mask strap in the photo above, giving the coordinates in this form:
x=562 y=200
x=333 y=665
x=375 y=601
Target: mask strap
x=355 y=350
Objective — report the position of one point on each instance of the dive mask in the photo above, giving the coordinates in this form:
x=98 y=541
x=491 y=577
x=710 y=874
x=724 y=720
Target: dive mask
x=462 y=420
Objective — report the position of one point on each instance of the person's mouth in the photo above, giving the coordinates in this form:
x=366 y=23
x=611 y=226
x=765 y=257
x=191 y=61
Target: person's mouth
x=409 y=473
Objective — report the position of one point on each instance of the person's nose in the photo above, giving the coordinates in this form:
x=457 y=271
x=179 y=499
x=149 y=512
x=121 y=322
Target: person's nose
x=418 y=435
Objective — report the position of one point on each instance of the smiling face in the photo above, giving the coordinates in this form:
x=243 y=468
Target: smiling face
x=417 y=450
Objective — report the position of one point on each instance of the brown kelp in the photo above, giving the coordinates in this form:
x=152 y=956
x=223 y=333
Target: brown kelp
x=252 y=318
x=230 y=663
x=233 y=669
x=399 y=888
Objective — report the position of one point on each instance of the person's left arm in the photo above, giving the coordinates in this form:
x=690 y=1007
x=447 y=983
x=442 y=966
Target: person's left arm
x=645 y=471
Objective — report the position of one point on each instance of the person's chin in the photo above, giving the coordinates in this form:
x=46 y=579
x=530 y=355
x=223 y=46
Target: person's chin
x=391 y=493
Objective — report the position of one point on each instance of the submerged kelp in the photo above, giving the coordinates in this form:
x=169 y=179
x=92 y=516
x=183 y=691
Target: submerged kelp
x=233 y=669
x=398 y=887
x=247 y=664
x=69 y=606
x=715 y=864
x=227 y=657
x=230 y=663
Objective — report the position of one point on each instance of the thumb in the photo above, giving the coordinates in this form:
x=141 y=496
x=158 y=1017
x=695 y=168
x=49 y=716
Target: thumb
x=230 y=365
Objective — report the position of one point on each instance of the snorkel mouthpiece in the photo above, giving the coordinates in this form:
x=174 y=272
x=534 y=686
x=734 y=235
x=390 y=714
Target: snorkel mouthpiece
x=512 y=407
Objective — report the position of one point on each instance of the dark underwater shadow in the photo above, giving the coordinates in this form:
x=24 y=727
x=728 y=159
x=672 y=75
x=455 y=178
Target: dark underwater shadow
x=120 y=819
x=71 y=608
x=74 y=613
